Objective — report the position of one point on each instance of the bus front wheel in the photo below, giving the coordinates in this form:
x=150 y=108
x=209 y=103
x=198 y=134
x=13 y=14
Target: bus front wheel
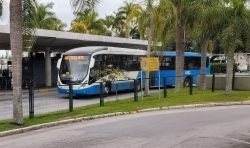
x=107 y=89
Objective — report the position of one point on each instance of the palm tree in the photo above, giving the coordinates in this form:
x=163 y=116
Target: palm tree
x=87 y=22
x=119 y=24
x=143 y=21
x=175 y=13
x=81 y=5
x=130 y=12
x=150 y=40
x=21 y=38
x=109 y=24
x=16 y=49
x=44 y=18
x=19 y=10
x=208 y=20
x=179 y=15
x=1 y=7
x=179 y=6
x=237 y=22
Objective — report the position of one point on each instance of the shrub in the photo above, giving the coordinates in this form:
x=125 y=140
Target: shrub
x=221 y=67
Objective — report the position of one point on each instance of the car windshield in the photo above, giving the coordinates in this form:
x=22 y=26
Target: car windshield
x=74 y=68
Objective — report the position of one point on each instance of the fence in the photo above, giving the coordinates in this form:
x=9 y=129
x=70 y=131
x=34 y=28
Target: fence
x=72 y=101
x=38 y=102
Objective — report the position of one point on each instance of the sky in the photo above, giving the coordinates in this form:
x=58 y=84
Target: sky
x=64 y=11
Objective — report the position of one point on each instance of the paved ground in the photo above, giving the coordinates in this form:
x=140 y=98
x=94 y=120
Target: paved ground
x=216 y=127
x=51 y=101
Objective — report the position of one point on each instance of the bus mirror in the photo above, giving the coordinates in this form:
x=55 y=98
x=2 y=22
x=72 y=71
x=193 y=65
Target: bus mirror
x=92 y=63
x=59 y=63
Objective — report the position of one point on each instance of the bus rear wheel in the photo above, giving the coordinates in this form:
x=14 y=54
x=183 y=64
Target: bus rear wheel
x=139 y=85
x=186 y=82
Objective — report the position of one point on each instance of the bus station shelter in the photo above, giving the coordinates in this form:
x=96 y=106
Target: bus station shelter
x=49 y=41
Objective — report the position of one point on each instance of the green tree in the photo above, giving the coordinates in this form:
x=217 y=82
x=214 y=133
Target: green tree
x=87 y=22
x=1 y=7
x=21 y=26
x=44 y=18
x=20 y=15
x=81 y=5
x=237 y=22
x=16 y=50
x=130 y=13
x=150 y=39
x=209 y=18
x=177 y=17
x=118 y=25
x=143 y=23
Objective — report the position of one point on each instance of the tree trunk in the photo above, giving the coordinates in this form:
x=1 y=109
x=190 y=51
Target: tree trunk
x=229 y=76
x=16 y=50
x=127 y=29
x=150 y=39
x=204 y=43
x=180 y=48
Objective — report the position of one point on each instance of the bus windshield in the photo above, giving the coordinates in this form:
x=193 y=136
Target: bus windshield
x=74 y=69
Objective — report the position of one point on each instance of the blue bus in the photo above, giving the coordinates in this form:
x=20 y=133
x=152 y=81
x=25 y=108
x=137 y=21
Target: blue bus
x=86 y=67
x=192 y=68
x=117 y=68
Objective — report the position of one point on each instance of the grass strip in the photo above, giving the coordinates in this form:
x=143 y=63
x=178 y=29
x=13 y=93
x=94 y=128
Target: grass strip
x=128 y=105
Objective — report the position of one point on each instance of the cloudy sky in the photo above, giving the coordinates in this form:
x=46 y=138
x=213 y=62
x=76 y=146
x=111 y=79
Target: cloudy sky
x=63 y=9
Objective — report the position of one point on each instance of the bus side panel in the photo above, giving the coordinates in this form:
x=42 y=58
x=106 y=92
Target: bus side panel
x=92 y=90
x=192 y=73
x=141 y=73
x=208 y=70
x=169 y=74
x=122 y=85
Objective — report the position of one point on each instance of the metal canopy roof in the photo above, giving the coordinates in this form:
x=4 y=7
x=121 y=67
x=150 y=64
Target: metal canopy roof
x=63 y=41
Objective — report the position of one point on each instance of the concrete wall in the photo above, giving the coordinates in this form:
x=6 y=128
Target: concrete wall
x=241 y=82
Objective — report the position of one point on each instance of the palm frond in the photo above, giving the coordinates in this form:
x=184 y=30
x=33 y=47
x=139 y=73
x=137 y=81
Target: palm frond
x=81 y=5
x=28 y=27
x=1 y=7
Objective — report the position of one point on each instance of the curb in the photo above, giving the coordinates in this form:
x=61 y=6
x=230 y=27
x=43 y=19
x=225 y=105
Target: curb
x=82 y=119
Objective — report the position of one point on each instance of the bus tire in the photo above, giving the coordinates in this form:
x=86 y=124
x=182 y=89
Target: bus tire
x=186 y=82
x=107 y=89
x=138 y=85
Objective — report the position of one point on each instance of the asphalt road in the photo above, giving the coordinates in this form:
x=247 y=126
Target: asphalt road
x=216 y=127
x=45 y=102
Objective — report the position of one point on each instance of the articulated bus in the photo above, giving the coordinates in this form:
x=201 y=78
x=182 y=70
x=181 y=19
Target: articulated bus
x=86 y=67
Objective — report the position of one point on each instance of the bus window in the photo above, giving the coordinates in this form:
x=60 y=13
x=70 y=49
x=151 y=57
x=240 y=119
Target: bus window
x=192 y=63
x=133 y=63
x=167 y=63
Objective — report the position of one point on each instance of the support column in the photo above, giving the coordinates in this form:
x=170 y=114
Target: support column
x=48 y=68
